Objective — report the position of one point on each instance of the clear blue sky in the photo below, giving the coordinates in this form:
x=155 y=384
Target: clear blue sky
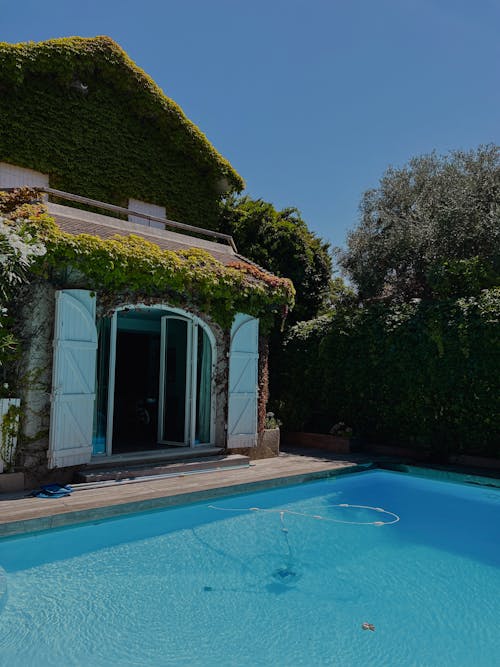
x=310 y=100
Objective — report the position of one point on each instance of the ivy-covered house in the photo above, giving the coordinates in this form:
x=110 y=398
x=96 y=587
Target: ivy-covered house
x=141 y=329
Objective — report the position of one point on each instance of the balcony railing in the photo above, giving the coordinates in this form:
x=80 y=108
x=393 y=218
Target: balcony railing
x=67 y=196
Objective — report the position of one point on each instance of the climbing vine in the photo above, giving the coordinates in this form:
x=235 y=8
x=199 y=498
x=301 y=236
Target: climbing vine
x=424 y=373
x=131 y=264
x=81 y=111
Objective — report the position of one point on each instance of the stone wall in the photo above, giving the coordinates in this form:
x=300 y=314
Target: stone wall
x=268 y=445
x=35 y=378
x=36 y=316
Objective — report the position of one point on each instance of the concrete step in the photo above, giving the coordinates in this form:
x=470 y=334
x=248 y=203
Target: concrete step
x=167 y=455
x=156 y=468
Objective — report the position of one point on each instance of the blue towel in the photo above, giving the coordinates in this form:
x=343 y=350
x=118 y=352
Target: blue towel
x=53 y=491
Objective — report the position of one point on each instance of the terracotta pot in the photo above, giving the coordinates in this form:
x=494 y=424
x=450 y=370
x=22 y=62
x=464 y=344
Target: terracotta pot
x=331 y=443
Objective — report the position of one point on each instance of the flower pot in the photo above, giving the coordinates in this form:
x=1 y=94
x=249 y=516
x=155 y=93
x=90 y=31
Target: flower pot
x=271 y=440
x=331 y=443
x=9 y=427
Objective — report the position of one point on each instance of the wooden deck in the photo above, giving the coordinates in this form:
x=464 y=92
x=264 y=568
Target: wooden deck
x=89 y=503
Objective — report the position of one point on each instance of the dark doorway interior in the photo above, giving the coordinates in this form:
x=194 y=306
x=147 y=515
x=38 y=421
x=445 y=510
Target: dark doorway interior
x=135 y=424
x=174 y=413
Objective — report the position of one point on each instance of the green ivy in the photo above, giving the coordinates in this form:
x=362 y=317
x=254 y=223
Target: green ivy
x=420 y=373
x=134 y=266
x=120 y=138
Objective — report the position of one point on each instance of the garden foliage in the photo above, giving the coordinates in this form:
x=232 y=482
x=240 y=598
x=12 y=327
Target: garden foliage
x=425 y=219
x=415 y=358
x=19 y=250
x=420 y=373
x=281 y=242
x=132 y=265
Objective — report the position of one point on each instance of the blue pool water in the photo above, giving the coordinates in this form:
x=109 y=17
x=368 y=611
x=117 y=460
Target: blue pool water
x=202 y=586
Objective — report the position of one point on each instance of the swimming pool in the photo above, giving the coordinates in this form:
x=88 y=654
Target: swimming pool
x=280 y=577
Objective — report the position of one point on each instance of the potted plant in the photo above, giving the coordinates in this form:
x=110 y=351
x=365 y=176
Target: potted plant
x=271 y=435
x=337 y=440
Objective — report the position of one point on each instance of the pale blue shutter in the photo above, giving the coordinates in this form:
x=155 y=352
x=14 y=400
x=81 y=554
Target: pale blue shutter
x=73 y=379
x=243 y=382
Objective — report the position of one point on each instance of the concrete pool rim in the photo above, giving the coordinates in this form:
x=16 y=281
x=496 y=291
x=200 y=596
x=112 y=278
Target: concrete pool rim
x=63 y=519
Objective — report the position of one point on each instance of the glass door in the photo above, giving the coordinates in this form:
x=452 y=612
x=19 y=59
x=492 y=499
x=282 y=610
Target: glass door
x=174 y=415
x=202 y=378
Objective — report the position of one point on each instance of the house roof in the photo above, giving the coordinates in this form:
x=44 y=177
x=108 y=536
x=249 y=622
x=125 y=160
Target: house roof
x=77 y=221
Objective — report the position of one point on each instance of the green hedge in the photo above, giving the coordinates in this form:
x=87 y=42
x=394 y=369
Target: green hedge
x=424 y=373
x=120 y=138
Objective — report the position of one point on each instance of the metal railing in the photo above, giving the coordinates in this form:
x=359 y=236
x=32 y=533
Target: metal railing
x=60 y=194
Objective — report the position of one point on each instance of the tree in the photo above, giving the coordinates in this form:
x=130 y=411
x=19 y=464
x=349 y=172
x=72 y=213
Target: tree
x=18 y=250
x=281 y=242
x=436 y=217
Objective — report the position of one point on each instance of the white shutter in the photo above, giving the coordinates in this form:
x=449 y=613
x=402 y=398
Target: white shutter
x=73 y=379
x=243 y=382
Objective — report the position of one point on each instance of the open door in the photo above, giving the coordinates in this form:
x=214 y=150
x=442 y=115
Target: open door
x=155 y=379
x=174 y=423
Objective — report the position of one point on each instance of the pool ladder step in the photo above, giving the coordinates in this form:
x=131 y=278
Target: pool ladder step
x=159 y=468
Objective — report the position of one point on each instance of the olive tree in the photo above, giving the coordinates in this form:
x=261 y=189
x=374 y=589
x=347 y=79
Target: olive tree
x=435 y=211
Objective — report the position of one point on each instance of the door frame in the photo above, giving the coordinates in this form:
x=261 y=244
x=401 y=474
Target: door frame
x=194 y=323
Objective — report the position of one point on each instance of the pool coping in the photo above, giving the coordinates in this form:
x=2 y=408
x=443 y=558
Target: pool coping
x=57 y=513
x=61 y=515
x=466 y=475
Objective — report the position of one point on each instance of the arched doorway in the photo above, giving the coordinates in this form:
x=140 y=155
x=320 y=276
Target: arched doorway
x=155 y=372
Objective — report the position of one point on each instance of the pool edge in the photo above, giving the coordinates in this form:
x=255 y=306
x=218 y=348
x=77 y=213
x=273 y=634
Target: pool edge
x=61 y=519
x=108 y=511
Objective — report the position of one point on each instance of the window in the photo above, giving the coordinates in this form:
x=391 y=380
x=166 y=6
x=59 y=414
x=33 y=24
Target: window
x=148 y=209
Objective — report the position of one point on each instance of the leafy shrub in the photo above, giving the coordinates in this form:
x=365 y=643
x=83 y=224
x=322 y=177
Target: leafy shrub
x=18 y=252
x=420 y=373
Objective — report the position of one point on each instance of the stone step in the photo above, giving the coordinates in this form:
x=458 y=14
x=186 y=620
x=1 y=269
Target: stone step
x=152 y=469
x=167 y=455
